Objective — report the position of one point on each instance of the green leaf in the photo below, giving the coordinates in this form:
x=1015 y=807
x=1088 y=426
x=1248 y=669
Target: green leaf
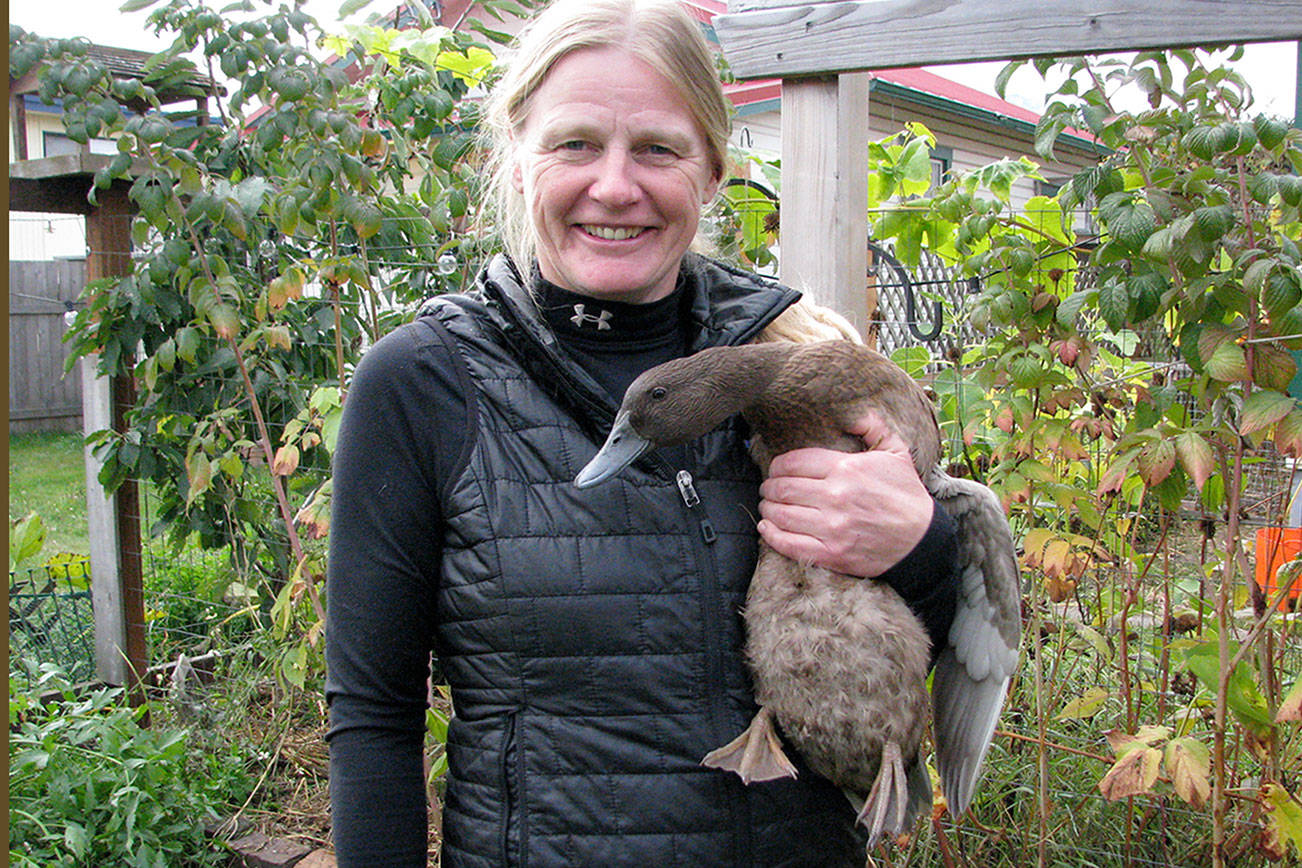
x=1227 y=363
x=1263 y=409
x=1282 y=291
x=1270 y=131
x=26 y=539
x=1202 y=142
x=1114 y=304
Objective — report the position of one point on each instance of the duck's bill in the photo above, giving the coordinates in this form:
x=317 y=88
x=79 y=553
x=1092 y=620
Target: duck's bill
x=622 y=448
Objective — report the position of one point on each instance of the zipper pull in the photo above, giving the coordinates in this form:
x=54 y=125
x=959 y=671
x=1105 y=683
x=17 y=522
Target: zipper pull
x=687 y=490
x=692 y=499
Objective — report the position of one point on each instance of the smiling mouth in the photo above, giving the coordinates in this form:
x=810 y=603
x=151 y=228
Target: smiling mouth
x=613 y=233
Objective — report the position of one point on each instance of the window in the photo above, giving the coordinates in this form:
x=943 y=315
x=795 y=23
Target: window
x=942 y=161
x=55 y=144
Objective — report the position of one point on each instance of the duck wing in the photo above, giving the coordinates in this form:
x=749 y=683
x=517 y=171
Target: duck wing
x=973 y=671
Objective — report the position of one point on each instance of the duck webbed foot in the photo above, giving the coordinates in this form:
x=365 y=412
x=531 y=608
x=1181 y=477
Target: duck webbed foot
x=755 y=755
x=896 y=797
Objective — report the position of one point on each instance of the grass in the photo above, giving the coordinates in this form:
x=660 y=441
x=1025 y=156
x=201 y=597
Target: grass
x=47 y=475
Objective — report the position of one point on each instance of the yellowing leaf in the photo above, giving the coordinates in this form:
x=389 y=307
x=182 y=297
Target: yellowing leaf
x=1187 y=764
x=1228 y=363
x=1196 y=456
x=198 y=472
x=1263 y=409
x=1132 y=775
x=1156 y=461
x=1283 y=821
x=225 y=320
x=1084 y=706
x=1288 y=435
x=1291 y=707
x=278 y=336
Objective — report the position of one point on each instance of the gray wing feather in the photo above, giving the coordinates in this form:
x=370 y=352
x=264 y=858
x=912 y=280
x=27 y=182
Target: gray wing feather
x=973 y=671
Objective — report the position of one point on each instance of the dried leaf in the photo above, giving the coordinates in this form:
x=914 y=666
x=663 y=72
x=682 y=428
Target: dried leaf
x=1059 y=589
x=1132 y=775
x=1187 y=765
x=286 y=460
x=1288 y=435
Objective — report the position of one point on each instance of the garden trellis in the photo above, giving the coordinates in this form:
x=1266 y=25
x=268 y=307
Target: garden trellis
x=822 y=49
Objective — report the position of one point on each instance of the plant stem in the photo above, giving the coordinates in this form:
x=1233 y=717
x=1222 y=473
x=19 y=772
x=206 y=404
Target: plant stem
x=278 y=484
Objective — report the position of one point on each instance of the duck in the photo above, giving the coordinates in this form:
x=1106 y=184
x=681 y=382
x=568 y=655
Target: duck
x=839 y=662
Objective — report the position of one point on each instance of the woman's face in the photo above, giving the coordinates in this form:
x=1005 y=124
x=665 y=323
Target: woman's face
x=614 y=171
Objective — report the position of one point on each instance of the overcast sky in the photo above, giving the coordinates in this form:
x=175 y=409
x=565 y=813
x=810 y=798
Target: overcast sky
x=1271 y=69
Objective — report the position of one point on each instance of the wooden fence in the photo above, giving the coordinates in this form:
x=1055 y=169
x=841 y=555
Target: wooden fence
x=41 y=396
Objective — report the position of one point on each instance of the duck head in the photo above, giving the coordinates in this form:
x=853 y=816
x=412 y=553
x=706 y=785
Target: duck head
x=677 y=402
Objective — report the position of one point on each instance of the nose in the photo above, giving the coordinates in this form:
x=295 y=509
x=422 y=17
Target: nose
x=615 y=183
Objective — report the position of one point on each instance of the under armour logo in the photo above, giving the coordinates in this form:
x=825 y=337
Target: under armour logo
x=602 y=320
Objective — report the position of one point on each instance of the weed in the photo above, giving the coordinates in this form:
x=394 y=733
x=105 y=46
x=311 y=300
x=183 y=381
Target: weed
x=87 y=781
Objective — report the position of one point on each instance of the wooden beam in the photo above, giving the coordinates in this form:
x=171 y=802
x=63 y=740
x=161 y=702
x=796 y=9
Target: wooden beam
x=108 y=239
x=817 y=38
x=105 y=585
x=824 y=213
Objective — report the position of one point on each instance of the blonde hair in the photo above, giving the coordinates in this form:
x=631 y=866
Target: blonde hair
x=806 y=322
x=659 y=32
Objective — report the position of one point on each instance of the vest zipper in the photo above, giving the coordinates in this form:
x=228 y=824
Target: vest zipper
x=692 y=499
x=712 y=614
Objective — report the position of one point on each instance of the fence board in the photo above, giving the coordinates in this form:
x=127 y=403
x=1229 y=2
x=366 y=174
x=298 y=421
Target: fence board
x=41 y=396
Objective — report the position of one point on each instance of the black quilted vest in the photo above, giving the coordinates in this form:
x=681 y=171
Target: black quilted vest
x=593 y=639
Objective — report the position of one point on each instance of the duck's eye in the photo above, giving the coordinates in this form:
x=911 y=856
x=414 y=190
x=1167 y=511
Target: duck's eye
x=658 y=393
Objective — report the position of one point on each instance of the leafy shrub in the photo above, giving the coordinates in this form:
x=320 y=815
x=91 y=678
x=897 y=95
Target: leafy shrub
x=88 y=785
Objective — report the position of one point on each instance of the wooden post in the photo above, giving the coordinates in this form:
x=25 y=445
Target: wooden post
x=108 y=237
x=824 y=215
x=101 y=522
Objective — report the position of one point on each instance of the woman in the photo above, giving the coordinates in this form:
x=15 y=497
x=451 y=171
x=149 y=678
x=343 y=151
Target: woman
x=592 y=639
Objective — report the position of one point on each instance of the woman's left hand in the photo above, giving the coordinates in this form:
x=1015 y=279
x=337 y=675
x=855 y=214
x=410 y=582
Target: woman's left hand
x=857 y=513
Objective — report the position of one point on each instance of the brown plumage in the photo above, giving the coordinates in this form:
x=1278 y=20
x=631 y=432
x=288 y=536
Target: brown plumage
x=840 y=661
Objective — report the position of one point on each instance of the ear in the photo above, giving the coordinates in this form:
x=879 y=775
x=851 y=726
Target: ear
x=517 y=175
x=711 y=188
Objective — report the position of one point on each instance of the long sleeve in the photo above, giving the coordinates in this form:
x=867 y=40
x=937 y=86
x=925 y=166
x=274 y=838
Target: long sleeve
x=404 y=424
x=927 y=578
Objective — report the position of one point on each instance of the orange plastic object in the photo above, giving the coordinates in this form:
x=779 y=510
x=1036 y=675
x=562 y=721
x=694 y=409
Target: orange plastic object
x=1277 y=546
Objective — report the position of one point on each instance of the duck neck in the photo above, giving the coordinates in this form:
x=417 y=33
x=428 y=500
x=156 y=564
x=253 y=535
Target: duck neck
x=750 y=371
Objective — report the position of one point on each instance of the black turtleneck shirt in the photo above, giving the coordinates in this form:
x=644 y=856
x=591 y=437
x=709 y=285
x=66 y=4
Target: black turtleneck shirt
x=407 y=431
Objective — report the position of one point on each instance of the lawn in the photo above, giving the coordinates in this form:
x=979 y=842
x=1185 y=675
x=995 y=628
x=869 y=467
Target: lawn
x=47 y=475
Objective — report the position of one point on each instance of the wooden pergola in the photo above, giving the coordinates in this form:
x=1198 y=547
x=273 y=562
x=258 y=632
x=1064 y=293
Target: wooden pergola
x=823 y=49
